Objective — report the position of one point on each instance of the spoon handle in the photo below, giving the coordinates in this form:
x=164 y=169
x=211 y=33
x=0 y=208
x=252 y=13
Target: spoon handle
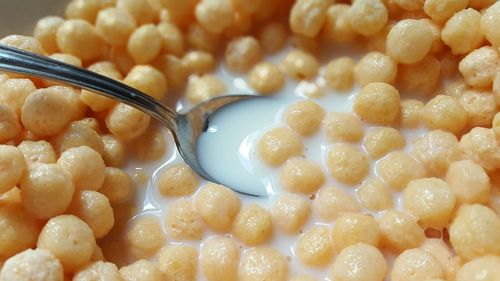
x=19 y=61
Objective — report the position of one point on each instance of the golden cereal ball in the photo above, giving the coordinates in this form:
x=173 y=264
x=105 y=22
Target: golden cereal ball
x=398 y=168
x=79 y=38
x=374 y=194
x=266 y=78
x=333 y=201
x=96 y=102
x=474 y=232
x=375 y=67
x=198 y=62
x=219 y=259
x=399 y=231
x=85 y=165
x=409 y=115
x=38 y=151
x=263 y=263
x=277 y=145
x=83 y=9
x=415 y=265
x=304 y=117
x=141 y=270
x=117 y=185
x=33 y=265
x=45 y=32
x=422 y=76
x=455 y=88
x=215 y=15
x=314 y=247
x=444 y=113
x=98 y=270
x=273 y=37
x=75 y=135
x=480 y=269
x=441 y=11
x=151 y=145
x=409 y=41
x=70 y=239
x=177 y=180
x=300 y=175
x=25 y=43
x=13 y=92
x=300 y=65
x=481 y=145
x=106 y=68
x=183 y=221
x=173 y=69
x=37 y=113
x=462 y=32
x=199 y=38
x=217 y=206
x=290 y=213
x=469 y=181
x=142 y=11
x=480 y=107
x=480 y=66
x=437 y=150
x=46 y=190
x=9 y=125
x=377 y=103
x=114 y=151
x=66 y=58
x=347 y=164
x=339 y=74
x=205 y=87
x=94 y=209
x=359 y=262
x=242 y=53
x=144 y=44
x=115 y=26
x=367 y=17
x=148 y=80
x=437 y=42
x=307 y=16
x=489 y=24
x=19 y=230
x=178 y=262
x=76 y=107
x=126 y=122
x=353 y=228
x=253 y=225
x=381 y=140
x=172 y=39
x=337 y=26
x=431 y=200
x=145 y=236
x=450 y=262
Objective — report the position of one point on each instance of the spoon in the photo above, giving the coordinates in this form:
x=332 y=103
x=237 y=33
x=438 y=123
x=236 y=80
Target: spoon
x=185 y=127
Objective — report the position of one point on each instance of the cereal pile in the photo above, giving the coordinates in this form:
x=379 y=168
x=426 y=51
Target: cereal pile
x=425 y=209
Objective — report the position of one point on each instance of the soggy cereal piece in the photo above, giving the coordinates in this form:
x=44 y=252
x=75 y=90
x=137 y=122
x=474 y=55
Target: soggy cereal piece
x=141 y=270
x=83 y=9
x=85 y=165
x=199 y=38
x=215 y=15
x=172 y=40
x=45 y=32
x=375 y=67
x=115 y=26
x=253 y=225
x=151 y=145
x=367 y=17
x=19 y=230
x=442 y=252
x=13 y=92
x=117 y=185
x=273 y=37
x=374 y=194
x=377 y=103
x=440 y=11
x=263 y=263
x=70 y=239
x=98 y=270
x=219 y=259
x=145 y=236
x=343 y=126
x=359 y=262
x=444 y=113
x=314 y=247
x=462 y=32
x=143 y=11
x=79 y=38
x=177 y=180
x=304 y=117
x=399 y=231
x=307 y=16
x=333 y=201
x=114 y=151
x=33 y=265
x=353 y=228
x=381 y=140
x=290 y=213
x=422 y=76
x=126 y=122
x=300 y=175
x=25 y=43
x=183 y=221
x=480 y=269
x=242 y=53
x=347 y=164
x=300 y=65
x=205 y=87
x=399 y=168
x=94 y=209
x=339 y=74
x=337 y=26
x=474 y=232
x=266 y=78
x=480 y=107
x=436 y=150
x=9 y=125
x=217 y=206
x=277 y=145
x=144 y=44
x=469 y=181
x=415 y=265
x=77 y=135
x=38 y=151
x=409 y=41
x=480 y=66
x=198 y=62
x=178 y=262
x=481 y=145
x=489 y=24
x=173 y=69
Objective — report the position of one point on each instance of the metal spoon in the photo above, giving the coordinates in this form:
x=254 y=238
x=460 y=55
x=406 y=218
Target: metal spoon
x=185 y=127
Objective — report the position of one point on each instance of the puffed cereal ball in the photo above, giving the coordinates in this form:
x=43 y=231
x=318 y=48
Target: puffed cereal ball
x=215 y=15
x=347 y=164
x=85 y=165
x=19 y=230
x=300 y=65
x=94 y=209
x=415 y=265
x=337 y=26
x=46 y=190
x=217 y=206
x=25 y=43
x=144 y=44
x=480 y=107
x=469 y=181
x=141 y=270
x=359 y=262
x=242 y=53
x=9 y=125
x=300 y=175
x=145 y=236
x=374 y=194
x=448 y=259
x=115 y=26
x=409 y=41
x=353 y=228
x=75 y=135
x=381 y=140
x=480 y=269
x=367 y=17
x=148 y=80
x=114 y=151
x=307 y=16
x=273 y=37
x=198 y=62
x=375 y=67
x=219 y=259
x=277 y=145
x=173 y=69
x=199 y=38
x=177 y=180
x=304 y=117
x=399 y=231
x=377 y=103
x=33 y=265
x=481 y=146
x=422 y=76
x=79 y=38
x=462 y=32
x=333 y=201
x=205 y=87
x=66 y=58
x=126 y=122
x=178 y=262
x=489 y=24
x=444 y=113
x=266 y=78
x=69 y=239
x=45 y=32
x=13 y=92
x=339 y=74
x=436 y=150
x=399 y=168
x=480 y=66
x=440 y=11
x=290 y=213
x=142 y=11
x=38 y=151
x=474 y=232
x=172 y=38
x=314 y=247
x=117 y=185
x=183 y=221
x=98 y=270
x=253 y=225
x=263 y=263
x=83 y=9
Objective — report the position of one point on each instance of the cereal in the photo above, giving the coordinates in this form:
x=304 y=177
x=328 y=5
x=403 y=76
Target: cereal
x=377 y=103
x=399 y=168
x=339 y=74
x=367 y=17
x=374 y=194
x=409 y=41
x=359 y=262
x=142 y=11
x=115 y=26
x=253 y=225
x=262 y=263
x=144 y=44
x=178 y=262
x=38 y=151
x=173 y=69
x=247 y=7
x=337 y=26
x=183 y=221
x=304 y=117
x=381 y=140
x=179 y=11
x=199 y=62
x=114 y=151
x=219 y=259
x=464 y=24
x=98 y=270
x=215 y=15
x=307 y=16
x=117 y=185
x=147 y=80
x=77 y=135
x=34 y=265
x=444 y=113
x=217 y=206
x=79 y=38
x=13 y=92
x=85 y=165
x=314 y=247
x=19 y=230
x=277 y=145
x=480 y=107
x=201 y=39
x=399 y=231
x=266 y=78
x=145 y=236
x=480 y=66
x=482 y=268
x=352 y=228
x=414 y=265
x=126 y=122
x=375 y=67
x=300 y=65
x=178 y=180
x=83 y=9
x=172 y=40
x=242 y=53
x=25 y=43
x=9 y=125
x=141 y=269
x=450 y=262
x=45 y=33
x=205 y=87
x=489 y=23
x=300 y=175
x=437 y=150
x=94 y=209
x=441 y=11
x=333 y=201
x=273 y=37
x=290 y=212
x=151 y=145
x=346 y=164
x=481 y=146
x=469 y=182
x=422 y=76
x=409 y=114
